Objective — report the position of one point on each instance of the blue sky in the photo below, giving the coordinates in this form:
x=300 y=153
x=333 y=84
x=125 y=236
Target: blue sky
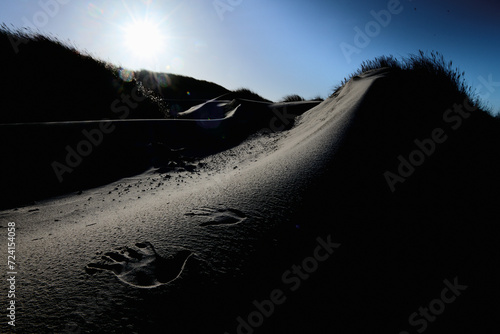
x=274 y=47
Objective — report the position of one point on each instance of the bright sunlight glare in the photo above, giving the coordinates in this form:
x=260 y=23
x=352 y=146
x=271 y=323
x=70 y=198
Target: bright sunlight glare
x=144 y=39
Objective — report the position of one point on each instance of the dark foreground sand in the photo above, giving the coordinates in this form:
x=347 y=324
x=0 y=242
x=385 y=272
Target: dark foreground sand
x=206 y=251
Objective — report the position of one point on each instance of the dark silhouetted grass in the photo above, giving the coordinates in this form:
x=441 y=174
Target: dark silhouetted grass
x=48 y=80
x=431 y=69
x=317 y=98
x=245 y=93
x=177 y=91
x=292 y=98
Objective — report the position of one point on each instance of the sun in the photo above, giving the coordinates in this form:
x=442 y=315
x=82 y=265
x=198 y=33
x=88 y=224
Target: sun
x=144 y=39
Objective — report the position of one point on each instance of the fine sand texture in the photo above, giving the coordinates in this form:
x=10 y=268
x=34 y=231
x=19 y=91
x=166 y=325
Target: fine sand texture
x=194 y=250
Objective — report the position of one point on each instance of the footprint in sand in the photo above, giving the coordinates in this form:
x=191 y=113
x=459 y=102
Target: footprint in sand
x=221 y=216
x=141 y=266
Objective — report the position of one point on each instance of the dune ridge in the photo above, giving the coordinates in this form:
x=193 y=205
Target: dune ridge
x=262 y=189
x=323 y=176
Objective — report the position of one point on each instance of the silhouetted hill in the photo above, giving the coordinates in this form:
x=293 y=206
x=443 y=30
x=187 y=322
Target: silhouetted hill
x=413 y=189
x=422 y=138
x=178 y=91
x=46 y=80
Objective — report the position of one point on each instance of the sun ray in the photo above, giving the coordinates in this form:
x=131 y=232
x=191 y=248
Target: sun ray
x=145 y=39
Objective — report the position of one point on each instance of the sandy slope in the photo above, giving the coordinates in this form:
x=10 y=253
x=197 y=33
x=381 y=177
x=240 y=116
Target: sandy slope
x=59 y=238
x=190 y=251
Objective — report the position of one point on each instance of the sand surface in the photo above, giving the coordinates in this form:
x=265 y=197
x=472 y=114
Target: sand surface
x=183 y=251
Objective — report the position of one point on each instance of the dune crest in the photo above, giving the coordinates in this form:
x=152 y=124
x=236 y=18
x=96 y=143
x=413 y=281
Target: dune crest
x=252 y=211
x=263 y=186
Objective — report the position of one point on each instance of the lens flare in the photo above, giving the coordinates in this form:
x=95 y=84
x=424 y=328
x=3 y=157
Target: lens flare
x=126 y=75
x=95 y=11
x=164 y=80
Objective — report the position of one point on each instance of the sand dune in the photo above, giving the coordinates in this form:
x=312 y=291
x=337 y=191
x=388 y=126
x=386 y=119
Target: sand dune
x=53 y=158
x=184 y=252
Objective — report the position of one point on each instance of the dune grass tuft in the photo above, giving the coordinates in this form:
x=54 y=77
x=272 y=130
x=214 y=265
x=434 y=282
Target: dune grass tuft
x=427 y=68
x=245 y=93
x=292 y=98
